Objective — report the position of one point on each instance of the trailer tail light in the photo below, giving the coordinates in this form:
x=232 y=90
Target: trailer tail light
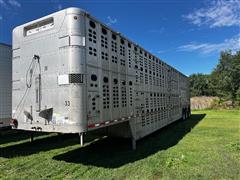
x=14 y=123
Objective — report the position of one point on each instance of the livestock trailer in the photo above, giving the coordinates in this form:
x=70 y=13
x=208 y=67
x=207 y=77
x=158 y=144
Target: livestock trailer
x=5 y=85
x=74 y=74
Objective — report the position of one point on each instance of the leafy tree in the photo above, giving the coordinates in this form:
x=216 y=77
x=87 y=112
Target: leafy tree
x=238 y=96
x=200 y=85
x=224 y=81
x=226 y=76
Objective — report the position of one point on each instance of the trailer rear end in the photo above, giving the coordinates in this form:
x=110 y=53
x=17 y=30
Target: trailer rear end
x=5 y=84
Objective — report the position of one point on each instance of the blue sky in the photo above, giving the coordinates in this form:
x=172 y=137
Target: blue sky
x=187 y=34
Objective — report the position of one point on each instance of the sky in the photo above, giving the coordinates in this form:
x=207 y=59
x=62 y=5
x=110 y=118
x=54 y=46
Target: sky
x=186 y=34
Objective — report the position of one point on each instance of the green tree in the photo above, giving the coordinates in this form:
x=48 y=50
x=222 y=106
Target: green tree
x=226 y=76
x=224 y=81
x=200 y=85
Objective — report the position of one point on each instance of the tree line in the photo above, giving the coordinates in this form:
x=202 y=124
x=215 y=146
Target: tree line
x=223 y=81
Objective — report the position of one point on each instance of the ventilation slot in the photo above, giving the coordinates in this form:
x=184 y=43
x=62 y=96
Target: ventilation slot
x=76 y=78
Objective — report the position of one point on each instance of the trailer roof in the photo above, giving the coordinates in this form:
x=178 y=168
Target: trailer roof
x=79 y=10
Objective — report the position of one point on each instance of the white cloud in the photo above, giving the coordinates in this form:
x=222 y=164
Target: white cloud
x=232 y=44
x=3 y=4
x=14 y=3
x=218 y=14
x=111 y=20
x=8 y=5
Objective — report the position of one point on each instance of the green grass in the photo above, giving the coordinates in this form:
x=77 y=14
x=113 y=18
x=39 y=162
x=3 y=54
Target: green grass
x=206 y=146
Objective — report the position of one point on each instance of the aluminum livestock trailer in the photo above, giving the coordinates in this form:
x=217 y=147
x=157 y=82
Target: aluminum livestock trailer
x=5 y=85
x=74 y=74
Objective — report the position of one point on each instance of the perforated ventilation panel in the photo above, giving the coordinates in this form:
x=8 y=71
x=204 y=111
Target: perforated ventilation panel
x=131 y=81
x=76 y=78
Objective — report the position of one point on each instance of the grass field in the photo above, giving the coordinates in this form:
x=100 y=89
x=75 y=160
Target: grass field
x=206 y=146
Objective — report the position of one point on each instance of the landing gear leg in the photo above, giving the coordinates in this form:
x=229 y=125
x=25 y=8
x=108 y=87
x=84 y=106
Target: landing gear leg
x=133 y=143
x=81 y=139
x=31 y=137
x=132 y=127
